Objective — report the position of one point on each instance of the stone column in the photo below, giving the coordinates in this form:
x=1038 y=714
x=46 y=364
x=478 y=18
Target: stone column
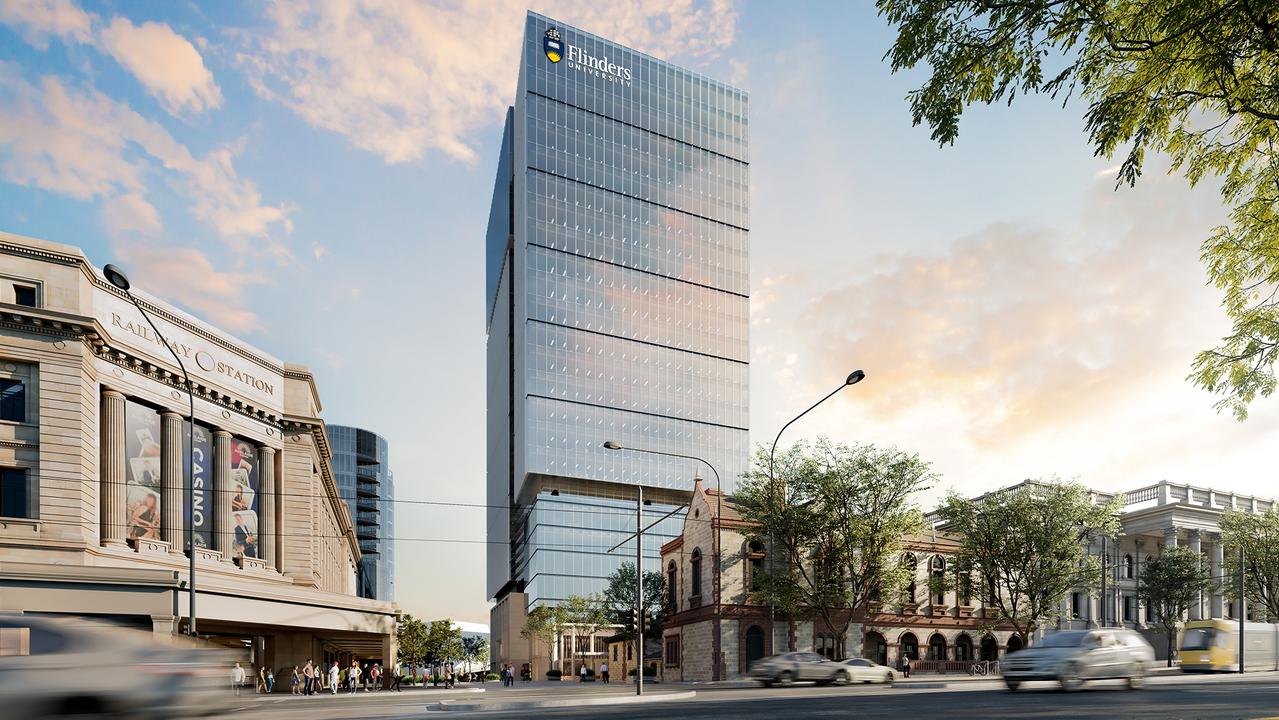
x=1196 y=547
x=1138 y=563
x=173 y=469
x=266 y=494
x=111 y=495
x=223 y=528
x=1170 y=537
x=1216 y=566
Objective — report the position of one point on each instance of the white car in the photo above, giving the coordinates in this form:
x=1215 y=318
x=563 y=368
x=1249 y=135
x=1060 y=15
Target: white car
x=53 y=667
x=1072 y=657
x=862 y=670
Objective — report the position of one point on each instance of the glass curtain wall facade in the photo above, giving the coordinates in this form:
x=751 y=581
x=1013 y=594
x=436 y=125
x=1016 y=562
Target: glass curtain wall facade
x=617 y=305
x=367 y=486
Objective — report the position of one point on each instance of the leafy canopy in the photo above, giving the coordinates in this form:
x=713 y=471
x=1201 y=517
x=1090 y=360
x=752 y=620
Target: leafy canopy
x=833 y=524
x=1026 y=544
x=1197 y=81
x=619 y=599
x=1259 y=537
x=1169 y=584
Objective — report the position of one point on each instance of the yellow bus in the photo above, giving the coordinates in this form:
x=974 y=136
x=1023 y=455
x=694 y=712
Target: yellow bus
x=1213 y=646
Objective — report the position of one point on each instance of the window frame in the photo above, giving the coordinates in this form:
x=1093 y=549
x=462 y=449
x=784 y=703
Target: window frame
x=29 y=494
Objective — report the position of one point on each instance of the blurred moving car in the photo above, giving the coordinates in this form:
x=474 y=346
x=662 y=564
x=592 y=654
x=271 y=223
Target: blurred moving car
x=57 y=667
x=862 y=670
x=1213 y=646
x=1072 y=657
x=792 y=667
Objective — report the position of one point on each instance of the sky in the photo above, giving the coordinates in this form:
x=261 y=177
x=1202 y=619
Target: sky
x=314 y=176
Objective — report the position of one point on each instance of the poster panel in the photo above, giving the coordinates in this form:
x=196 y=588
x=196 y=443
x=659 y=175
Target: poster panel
x=244 y=498
x=201 y=515
x=142 y=472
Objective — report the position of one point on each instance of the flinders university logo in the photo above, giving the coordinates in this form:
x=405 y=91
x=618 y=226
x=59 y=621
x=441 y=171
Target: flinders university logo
x=552 y=46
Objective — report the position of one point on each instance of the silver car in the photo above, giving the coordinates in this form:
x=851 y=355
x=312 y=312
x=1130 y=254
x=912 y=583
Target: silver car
x=792 y=667
x=862 y=670
x=53 y=667
x=1072 y=657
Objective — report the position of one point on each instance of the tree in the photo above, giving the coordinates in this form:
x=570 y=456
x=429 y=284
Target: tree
x=1169 y=584
x=443 y=642
x=1259 y=537
x=1193 y=80
x=475 y=649
x=1026 y=545
x=411 y=637
x=619 y=599
x=546 y=623
x=835 y=519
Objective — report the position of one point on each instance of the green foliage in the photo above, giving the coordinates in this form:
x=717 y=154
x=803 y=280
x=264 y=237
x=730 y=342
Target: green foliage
x=1026 y=545
x=1169 y=584
x=443 y=642
x=545 y=623
x=1193 y=80
x=834 y=519
x=554 y=674
x=475 y=649
x=619 y=599
x=587 y=612
x=411 y=636
x=1259 y=537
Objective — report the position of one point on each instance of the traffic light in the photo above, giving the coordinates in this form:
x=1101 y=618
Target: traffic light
x=633 y=621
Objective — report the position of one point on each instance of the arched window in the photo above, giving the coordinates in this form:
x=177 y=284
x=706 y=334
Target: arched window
x=963 y=648
x=1128 y=567
x=909 y=646
x=1014 y=644
x=937 y=647
x=754 y=564
x=874 y=647
x=989 y=648
x=695 y=574
x=937 y=571
x=672 y=593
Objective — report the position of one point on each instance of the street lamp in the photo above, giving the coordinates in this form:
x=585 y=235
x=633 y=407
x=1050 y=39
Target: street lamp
x=116 y=277
x=719 y=585
x=853 y=378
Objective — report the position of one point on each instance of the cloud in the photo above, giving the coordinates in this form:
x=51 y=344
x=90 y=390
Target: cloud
x=400 y=80
x=38 y=20
x=166 y=64
x=130 y=213
x=187 y=276
x=1024 y=328
x=82 y=143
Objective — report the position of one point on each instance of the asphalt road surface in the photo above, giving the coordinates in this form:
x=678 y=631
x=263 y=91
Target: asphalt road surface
x=1169 y=698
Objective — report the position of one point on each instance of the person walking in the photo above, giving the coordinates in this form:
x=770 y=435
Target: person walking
x=397 y=677
x=506 y=675
x=906 y=666
x=308 y=677
x=604 y=672
x=582 y=673
x=259 y=683
x=375 y=674
x=295 y=681
x=237 y=678
x=334 y=673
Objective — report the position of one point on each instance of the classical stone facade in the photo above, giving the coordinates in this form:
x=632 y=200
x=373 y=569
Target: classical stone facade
x=92 y=450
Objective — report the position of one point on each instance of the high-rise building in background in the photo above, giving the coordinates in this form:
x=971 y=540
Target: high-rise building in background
x=365 y=482
x=617 y=309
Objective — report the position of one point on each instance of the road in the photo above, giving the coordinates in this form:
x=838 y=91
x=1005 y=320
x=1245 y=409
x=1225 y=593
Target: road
x=1165 y=698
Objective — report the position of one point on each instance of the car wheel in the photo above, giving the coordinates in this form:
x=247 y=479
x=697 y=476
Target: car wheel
x=786 y=678
x=1136 y=676
x=1012 y=684
x=766 y=683
x=888 y=679
x=1070 y=679
x=841 y=677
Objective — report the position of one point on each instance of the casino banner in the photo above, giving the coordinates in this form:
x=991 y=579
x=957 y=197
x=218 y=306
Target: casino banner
x=244 y=498
x=199 y=483
x=142 y=471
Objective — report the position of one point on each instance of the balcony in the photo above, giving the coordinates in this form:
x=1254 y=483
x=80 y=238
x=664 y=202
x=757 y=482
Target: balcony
x=367 y=518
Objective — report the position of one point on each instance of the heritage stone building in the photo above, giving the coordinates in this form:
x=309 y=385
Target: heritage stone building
x=93 y=480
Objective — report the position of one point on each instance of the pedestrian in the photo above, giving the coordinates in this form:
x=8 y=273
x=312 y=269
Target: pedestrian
x=308 y=677
x=905 y=666
x=397 y=677
x=237 y=678
x=365 y=672
x=334 y=674
x=259 y=685
x=604 y=672
x=353 y=676
x=582 y=673
x=295 y=681
x=375 y=674
x=270 y=681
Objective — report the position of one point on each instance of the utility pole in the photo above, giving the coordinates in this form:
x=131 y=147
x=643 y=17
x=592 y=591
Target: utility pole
x=1243 y=607
x=1105 y=599
x=639 y=590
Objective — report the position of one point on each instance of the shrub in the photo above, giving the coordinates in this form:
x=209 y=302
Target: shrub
x=554 y=674
x=492 y=676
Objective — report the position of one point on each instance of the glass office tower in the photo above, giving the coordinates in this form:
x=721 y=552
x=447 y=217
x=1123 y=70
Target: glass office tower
x=617 y=306
x=365 y=482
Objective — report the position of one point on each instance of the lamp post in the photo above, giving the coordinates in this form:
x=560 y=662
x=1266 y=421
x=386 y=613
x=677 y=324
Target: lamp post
x=853 y=378
x=717 y=673
x=116 y=277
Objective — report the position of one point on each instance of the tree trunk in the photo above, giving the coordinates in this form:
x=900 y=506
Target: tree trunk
x=1171 y=634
